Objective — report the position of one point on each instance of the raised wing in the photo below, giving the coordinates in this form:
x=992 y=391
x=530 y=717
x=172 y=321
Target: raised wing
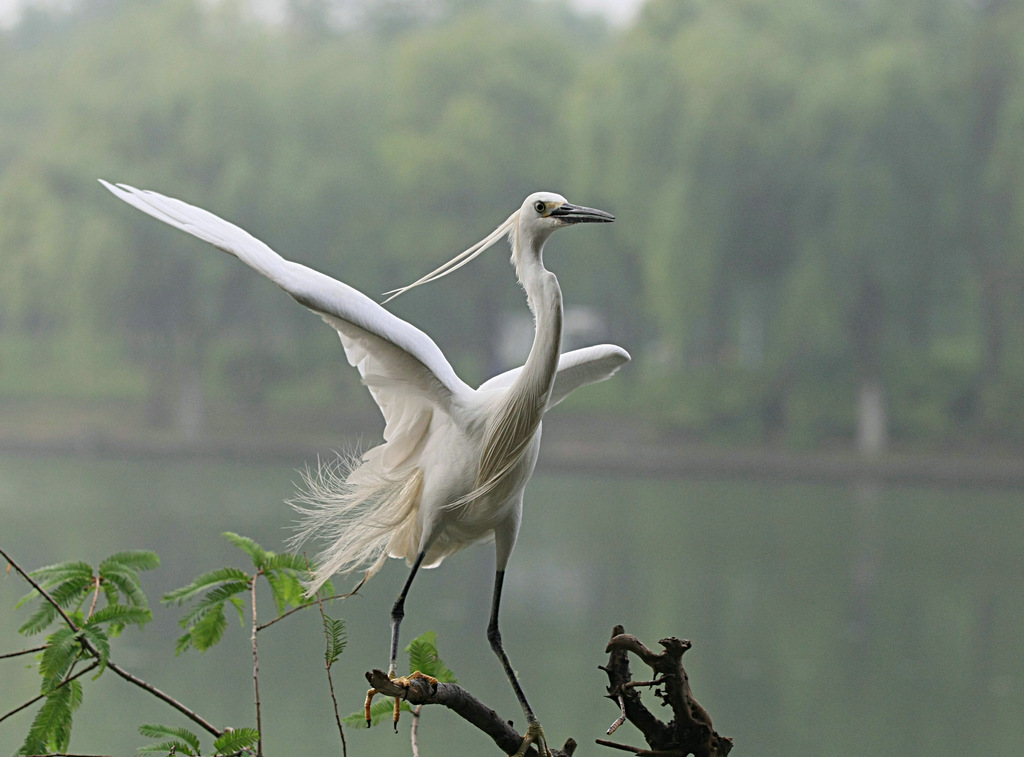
x=404 y=369
x=575 y=369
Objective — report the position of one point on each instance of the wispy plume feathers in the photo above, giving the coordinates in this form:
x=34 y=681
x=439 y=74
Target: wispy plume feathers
x=461 y=259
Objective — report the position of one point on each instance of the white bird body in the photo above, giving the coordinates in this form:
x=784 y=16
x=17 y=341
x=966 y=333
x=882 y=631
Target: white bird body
x=455 y=460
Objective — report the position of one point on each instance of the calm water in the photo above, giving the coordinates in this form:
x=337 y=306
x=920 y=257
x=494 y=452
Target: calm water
x=825 y=620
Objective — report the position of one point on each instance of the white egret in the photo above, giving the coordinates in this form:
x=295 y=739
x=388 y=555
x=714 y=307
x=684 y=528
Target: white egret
x=455 y=461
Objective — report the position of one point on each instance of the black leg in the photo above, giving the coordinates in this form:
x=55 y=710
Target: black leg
x=494 y=636
x=398 y=612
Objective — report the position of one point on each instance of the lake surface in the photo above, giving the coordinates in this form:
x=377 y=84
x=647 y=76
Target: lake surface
x=825 y=620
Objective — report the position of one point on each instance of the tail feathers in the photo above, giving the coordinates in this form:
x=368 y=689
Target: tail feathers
x=354 y=510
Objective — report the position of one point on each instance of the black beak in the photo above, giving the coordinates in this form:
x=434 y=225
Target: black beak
x=575 y=214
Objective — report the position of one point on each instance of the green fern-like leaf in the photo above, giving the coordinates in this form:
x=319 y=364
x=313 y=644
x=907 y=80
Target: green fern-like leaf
x=134 y=559
x=205 y=632
x=256 y=553
x=63 y=647
x=38 y=621
x=68 y=594
x=382 y=708
x=169 y=747
x=285 y=588
x=117 y=579
x=50 y=575
x=235 y=740
x=182 y=740
x=217 y=597
x=121 y=616
x=99 y=641
x=337 y=639
x=423 y=657
x=204 y=582
x=286 y=561
x=51 y=729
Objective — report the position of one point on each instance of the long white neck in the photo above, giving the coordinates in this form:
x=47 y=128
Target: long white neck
x=515 y=424
x=545 y=299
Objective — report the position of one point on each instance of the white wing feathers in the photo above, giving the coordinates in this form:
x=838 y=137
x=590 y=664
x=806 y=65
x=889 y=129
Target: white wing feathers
x=575 y=369
x=400 y=364
x=404 y=369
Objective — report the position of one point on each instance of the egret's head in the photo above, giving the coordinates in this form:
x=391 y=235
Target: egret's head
x=543 y=212
x=528 y=228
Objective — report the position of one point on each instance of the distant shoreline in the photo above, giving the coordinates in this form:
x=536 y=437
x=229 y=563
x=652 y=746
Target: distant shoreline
x=595 y=450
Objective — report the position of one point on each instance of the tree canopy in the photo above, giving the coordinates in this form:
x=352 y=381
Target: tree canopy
x=811 y=196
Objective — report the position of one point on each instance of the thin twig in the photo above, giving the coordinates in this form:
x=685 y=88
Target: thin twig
x=640 y=752
x=414 y=731
x=35 y=699
x=8 y=655
x=256 y=669
x=616 y=745
x=32 y=582
x=327 y=665
x=95 y=596
x=306 y=606
x=166 y=699
x=634 y=684
x=619 y=720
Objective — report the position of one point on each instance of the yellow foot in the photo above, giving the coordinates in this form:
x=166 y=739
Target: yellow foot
x=534 y=735
x=404 y=682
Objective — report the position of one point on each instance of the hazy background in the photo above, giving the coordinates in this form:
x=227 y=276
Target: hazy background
x=819 y=207
x=817 y=254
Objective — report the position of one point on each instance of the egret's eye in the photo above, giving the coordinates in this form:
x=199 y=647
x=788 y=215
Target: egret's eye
x=540 y=207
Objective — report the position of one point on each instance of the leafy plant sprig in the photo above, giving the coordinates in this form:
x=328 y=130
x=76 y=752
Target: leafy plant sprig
x=205 y=622
x=214 y=590
x=94 y=605
x=69 y=593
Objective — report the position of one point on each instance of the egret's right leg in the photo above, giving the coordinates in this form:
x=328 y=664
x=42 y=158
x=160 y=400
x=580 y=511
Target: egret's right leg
x=397 y=613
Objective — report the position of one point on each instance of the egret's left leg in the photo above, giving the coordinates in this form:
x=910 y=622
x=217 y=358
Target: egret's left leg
x=534 y=732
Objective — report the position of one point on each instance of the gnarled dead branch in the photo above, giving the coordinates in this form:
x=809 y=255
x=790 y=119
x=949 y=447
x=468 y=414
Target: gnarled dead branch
x=690 y=731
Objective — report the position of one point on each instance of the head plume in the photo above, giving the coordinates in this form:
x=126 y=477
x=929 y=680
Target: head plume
x=462 y=258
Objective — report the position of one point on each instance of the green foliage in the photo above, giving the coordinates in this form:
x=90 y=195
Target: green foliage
x=178 y=740
x=236 y=740
x=337 y=639
x=63 y=648
x=51 y=729
x=78 y=588
x=205 y=623
x=803 y=148
x=765 y=161
x=423 y=656
x=71 y=584
x=211 y=592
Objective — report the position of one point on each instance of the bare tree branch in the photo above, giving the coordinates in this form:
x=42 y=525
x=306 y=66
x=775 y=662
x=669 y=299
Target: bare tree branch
x=35 y=699
x=8 y=655
x=691 y=730
x=463 y=704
